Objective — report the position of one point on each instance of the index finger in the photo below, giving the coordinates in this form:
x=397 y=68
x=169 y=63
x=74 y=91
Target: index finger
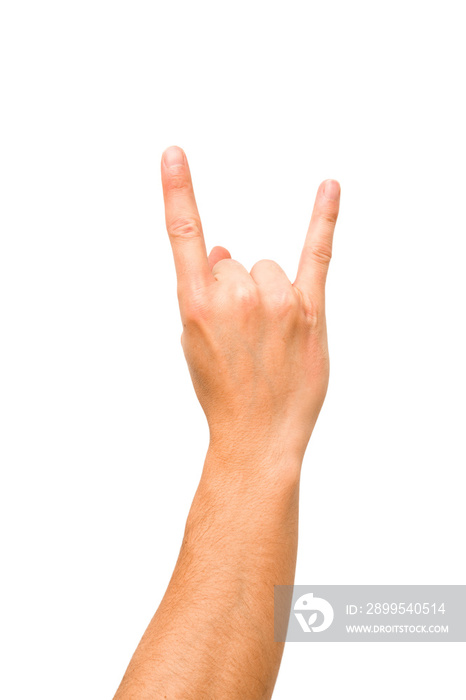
x=317 y=249
x=183 y=221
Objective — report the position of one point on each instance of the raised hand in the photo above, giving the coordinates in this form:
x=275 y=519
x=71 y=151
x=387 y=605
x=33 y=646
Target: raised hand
x=255 y=343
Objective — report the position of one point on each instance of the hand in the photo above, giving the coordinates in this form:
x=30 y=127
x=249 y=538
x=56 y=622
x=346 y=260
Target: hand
x=255 y=343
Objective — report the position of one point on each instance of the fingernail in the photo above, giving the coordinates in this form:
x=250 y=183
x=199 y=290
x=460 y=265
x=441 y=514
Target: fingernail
x=173 y=156
x=332 y=189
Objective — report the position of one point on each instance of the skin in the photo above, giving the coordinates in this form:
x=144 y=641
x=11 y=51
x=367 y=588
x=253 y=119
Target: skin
x=256 y=348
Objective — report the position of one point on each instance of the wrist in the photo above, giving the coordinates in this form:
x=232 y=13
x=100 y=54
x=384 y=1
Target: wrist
x=267 y=464
x=281 y=440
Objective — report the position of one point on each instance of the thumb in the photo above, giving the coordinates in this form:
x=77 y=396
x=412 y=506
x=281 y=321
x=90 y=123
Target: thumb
x=216 y=254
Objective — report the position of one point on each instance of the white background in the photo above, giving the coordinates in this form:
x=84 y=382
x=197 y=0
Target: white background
x=102 y=438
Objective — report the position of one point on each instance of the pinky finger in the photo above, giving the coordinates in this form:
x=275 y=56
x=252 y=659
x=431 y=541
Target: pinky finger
x=317 y=249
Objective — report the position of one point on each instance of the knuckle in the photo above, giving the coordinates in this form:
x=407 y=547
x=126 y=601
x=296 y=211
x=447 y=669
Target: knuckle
x=267 y=263
x=313 y=312
x=245 y=296
x=270 y=265
x=194 y=311
x=223 y=264
x=185 y=227
x=284 y=301
x=321 y=253
x=328 y=217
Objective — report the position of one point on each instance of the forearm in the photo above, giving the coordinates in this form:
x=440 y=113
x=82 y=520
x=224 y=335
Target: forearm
x=212 y=636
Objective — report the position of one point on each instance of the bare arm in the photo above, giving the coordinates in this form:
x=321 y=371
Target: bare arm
x=256 y=349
